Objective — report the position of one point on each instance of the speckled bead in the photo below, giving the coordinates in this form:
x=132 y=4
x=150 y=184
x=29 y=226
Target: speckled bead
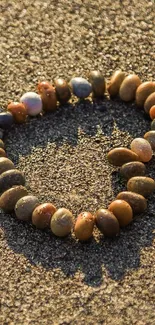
x=6 y=120
x=142 y=148
x=81 y=88
x=62 y=222
x=48 y=96
x=62 y=89
x=25 y=207
x=19 y=111
x=11 y=178
x=84 y=226
x=98 y=83
x=32 y=102
x=42 y=215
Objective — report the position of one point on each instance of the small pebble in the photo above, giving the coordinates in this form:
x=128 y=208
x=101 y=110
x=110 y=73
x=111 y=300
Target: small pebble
x=81 y=88
x=142 y=148
x=122 y=211
x=141 y=185
x=32 y=102
x=98 y=83
x=10 y=178
x=150 y=137
x=84 y=226
x=5 y=164
x=150 y=101
x=133 y=168
x=107 y=223
x=152 y=112
x=137 y=202
x=2 y=144
x=143 y=92
x=128 y=87
x=120 y=156
x=115 y=83
x=2 y=153
x=18 y=111
x=25 y=207
x=10 y=197
x=62 y=222
x=6 y=120
x=48 y=96
x=153 y=125
x=42 y=215
x=62 y=89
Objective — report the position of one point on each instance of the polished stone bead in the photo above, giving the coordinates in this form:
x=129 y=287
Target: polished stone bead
x=84 y=226
x=32 y=102
x=122 y=211
x=10 y=197
x=81 y=88
x=107 y=223
x=11 y=178
x=137 y=202
x=142 y=148
x=133 y=168
x=6 y=120
x=19 y=111
x=62 y=222
x=141 y=185
x=62 y=90
x=25 y=207
x=6 y=164
x=121 y=155
x=42 y=215
x=98 y=83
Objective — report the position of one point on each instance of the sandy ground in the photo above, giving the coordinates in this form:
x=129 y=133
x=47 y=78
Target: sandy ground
x=45 y=280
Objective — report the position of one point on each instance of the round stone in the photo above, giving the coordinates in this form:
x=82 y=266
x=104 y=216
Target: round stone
x=150 y=137
x=2 y=144
x=84 y=226
x=141 y=185
x=25 y=207
x=81 y=88
x=120 y=156
x=115 y=83
x=150 y=101
x=128 y=87
x=18 y=111
x=5 y=164
x=62 y=89
x=10 y=197
x=152 y=112
x=137 y=202
x=107 y=223
x=32 y=102
x=42 y=86
x=42 y=215
x=2 y=153
x=133 y=168
x=143 y=92
x=153 y=125
x=122 y=211
x=98 y=83
x=142 y=148
x=10 y=178
x=62 y=222
x=6 y=120
x=49 y=99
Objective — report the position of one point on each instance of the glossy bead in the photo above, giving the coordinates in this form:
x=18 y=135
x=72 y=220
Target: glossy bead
x=143 y=91
x=49 y=99
x=133 y=168
x=42 y=215
x=152 y=112
x=137 y=202
x=153 y=125
x=142 y=148
x=32 y=102
x=2 y=144
x=107 y=223
x=10 y=197
x=141 y=185
x=98 y=83
x=18 y=111
x=122 y=211
x=25 y=207
x=84 y=226
x=11 y=178
x=62 y=222
x=81 y=88
x=5 y=164
x=42 y=86
x=120 y=156
x=150 y=101
x=128 y=87
x=115 y=83
x=62 y=89
x=2 y=153
x=150 y=137
x=6 y=120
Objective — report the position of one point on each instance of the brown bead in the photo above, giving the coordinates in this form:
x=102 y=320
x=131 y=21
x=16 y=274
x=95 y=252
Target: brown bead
x=107 y=223
x=122 y=211
x=42 y=86
x=150 y=137
x=10 y=197
x=42 y=215
x=25 y=207
x=133 y=168
x=137 y=202
x=143 y=91
x=11 y=178
x=121 y=155
x=5 y=164
x=84 y=226
x=62 y=222
x=150 y=101
x=98 y=83
x=115 y=83
x=2 y=153
x=19 y=111
x=128 y=87
x=49 y=99
x=141 y=185
x=62 y=89
x=142 y=148
x=152 y=112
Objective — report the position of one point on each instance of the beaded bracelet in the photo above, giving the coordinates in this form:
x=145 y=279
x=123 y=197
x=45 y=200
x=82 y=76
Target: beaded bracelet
x=120 y=212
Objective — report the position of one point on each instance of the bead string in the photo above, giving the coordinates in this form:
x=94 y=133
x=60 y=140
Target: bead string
x=120 y=212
